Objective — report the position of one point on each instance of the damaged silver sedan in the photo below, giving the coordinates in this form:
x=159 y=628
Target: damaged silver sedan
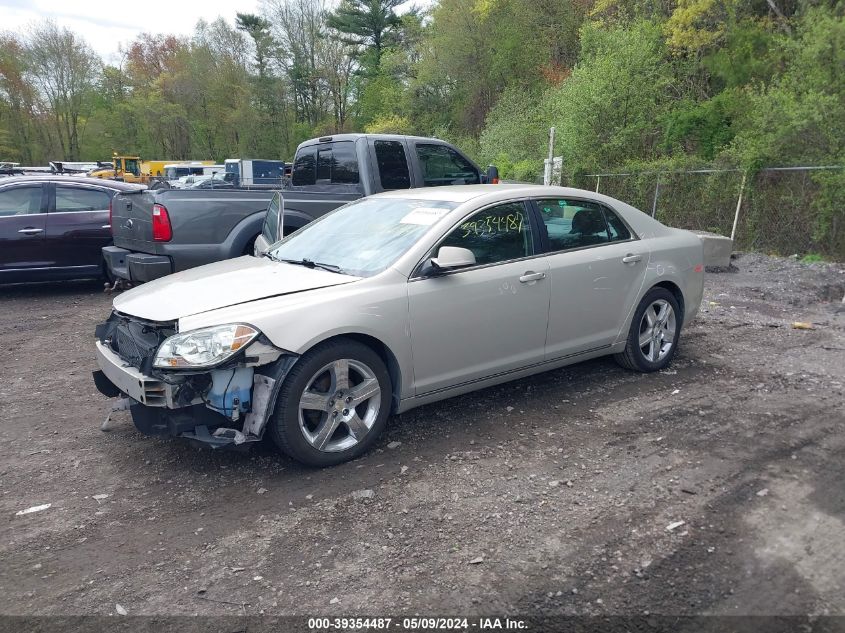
x=392 y=302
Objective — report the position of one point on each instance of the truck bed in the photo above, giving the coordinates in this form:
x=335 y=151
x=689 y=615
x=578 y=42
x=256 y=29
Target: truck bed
x=207 y=225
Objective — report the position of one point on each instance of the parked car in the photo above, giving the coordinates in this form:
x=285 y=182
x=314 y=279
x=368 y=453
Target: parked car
x=211 y=182
x=164 y=231
x=55 y=227
x=394 y=301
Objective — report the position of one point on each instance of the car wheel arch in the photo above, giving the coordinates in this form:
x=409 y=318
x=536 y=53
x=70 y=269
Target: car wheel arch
x=676 y=292
x=379 y=347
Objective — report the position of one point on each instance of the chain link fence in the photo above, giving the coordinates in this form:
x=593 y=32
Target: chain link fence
x=779 y=210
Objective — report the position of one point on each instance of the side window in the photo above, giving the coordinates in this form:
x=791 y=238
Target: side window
x=572 y=223
x=305 y=168
x=132 y=166
x=442 y=165
x=496 y=234
x=392 y=165
x=270 y=230
x=618 y=231
x=20 y=201
x=76 y=199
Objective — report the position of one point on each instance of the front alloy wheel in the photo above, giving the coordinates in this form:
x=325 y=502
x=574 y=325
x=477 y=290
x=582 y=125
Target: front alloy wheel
x=340 y=405
x=333 y=404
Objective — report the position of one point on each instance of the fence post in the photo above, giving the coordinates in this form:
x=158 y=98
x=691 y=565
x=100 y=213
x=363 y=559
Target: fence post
x=738 y=205
x=656 y=193
x=598 y=180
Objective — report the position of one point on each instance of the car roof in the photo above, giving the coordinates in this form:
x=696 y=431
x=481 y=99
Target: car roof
x=464 y=193
x=65 y=178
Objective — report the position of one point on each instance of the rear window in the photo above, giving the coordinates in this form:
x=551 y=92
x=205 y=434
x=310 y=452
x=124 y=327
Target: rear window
x=305 y=167
x=329 y=163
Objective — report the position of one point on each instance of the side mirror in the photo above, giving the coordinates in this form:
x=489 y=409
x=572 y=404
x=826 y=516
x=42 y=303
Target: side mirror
x=451 y=257
x=492 y=175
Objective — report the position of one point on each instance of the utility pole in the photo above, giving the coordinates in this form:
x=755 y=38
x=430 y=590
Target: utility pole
x=547 y=172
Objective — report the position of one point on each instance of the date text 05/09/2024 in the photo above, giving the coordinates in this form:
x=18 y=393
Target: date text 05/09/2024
x=416 y=624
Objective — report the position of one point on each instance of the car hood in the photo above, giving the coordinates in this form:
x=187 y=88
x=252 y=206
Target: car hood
x=220 y=285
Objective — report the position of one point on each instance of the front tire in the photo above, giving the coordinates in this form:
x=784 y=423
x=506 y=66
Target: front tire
x=333 y=405
x=653 y=336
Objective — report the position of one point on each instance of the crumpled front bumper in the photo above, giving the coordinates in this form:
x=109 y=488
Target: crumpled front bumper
x=130 y=381
x=159 y=409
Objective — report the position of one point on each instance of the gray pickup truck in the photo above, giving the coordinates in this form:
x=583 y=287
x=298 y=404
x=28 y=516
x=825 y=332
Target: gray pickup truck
x=158 y=232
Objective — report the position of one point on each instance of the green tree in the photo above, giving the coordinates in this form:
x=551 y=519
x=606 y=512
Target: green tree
x=65 y=70
x=610 y=108
x=370 y=24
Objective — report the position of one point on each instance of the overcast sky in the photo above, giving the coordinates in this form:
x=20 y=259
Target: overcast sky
x=105 y=29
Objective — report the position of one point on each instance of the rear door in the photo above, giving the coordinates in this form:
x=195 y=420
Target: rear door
x=23 y=224
x=391 y=165
x=596 y=269
x=78 y=226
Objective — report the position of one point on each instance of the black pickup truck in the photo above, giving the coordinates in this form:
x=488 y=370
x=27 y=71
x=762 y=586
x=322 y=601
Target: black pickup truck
x=158 y=232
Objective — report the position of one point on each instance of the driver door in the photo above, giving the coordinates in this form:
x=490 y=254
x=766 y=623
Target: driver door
x=471 y=323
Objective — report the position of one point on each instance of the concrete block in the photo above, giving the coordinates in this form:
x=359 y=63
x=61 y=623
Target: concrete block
x=717 y=249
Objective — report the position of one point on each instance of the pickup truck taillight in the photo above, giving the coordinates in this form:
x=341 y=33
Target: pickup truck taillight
x=162 y=231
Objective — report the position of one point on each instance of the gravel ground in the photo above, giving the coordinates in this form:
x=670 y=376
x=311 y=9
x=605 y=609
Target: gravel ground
x=713 y=487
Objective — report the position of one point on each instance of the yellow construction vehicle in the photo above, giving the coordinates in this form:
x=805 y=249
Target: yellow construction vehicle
x=125 y=168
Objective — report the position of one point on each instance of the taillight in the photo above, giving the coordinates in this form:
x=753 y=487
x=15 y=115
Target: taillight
x=162 y=231
x=111 y=204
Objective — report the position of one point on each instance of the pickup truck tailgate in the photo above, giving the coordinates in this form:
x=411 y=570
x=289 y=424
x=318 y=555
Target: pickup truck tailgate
x=131 y=220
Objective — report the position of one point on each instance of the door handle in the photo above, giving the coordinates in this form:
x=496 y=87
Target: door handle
x=31 y=231
x=530 y=276
x=630 y=258
x=106 y=226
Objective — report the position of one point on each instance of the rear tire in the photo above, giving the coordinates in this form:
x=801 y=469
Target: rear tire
x=333 y=405
x=654 y=332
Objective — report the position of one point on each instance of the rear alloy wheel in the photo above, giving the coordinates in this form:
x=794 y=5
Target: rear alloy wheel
x=333 y=405
x=653 y=337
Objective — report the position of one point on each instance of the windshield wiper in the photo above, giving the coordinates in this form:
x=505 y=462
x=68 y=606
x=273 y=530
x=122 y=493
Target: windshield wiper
x=308 y=263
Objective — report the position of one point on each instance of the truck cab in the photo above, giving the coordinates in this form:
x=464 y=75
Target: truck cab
x=351 y=166
x=125 y=168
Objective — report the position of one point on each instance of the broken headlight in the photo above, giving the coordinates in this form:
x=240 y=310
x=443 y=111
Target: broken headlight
x=206 y=347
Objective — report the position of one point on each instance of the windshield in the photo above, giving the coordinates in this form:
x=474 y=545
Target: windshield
x=364 y=237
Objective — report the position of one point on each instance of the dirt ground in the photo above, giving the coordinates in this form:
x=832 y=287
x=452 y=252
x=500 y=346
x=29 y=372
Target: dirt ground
x=714 y=487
